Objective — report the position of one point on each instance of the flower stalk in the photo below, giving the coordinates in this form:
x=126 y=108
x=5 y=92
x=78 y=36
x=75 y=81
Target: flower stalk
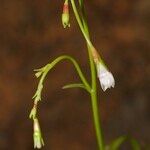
x=97 y=68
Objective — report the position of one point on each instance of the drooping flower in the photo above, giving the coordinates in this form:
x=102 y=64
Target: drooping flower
x=37 y=136
x=105 y=77
x=65 y=15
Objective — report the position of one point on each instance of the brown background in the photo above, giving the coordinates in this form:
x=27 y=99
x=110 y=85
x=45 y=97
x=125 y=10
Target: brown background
x=31 y=35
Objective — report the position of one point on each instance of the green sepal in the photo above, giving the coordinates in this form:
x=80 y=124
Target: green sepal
x=65 y=20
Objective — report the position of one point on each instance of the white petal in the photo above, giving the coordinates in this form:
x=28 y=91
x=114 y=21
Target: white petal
x=106 y=78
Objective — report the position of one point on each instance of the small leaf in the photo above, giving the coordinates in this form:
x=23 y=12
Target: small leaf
x=74 y=85
x=135 y=144
x=38 y=74
x=40 y=69
x=37 y=95
x=43 y=68
x=33 y=113
x=116 y=143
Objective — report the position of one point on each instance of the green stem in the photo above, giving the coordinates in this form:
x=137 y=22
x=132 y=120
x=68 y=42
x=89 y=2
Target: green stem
x=84 y=21
x=57 y=60
x=85 y=31
x=97 y=124
x=80 y=23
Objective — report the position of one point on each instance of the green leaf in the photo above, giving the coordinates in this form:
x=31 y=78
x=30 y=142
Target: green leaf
x=74 y=85
x=41 y=69
x=38 y=74
x=116 y=143
x=135 y=144
x=33 y=113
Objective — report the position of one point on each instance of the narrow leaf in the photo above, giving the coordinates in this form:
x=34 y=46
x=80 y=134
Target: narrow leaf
x=74 y=85
x=135 y=144
x=116 y=143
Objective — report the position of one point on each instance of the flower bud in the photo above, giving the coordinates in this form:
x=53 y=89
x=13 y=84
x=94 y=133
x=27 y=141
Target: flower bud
x=65 y=15
x=105 y=77
x=38 y=140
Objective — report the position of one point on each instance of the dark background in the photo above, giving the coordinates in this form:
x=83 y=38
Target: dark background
x=31 y=35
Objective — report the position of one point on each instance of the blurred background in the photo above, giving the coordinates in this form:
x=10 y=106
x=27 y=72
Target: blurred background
x=31 y=35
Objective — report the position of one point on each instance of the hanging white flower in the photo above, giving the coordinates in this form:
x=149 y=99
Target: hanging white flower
x=105 y=77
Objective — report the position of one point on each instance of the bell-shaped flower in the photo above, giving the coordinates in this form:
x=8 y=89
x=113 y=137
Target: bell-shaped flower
x=37 y=136
x=105 y=77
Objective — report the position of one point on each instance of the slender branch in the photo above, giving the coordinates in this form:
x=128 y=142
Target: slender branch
x=83 y=79
x=57 y=60
x=83 y=17
x=43 y=73
x=80 y=23
x=86 y=30
x=84 y=21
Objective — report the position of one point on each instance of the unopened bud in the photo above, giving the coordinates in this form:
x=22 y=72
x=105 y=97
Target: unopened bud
x=37 y=136
x=65 y=15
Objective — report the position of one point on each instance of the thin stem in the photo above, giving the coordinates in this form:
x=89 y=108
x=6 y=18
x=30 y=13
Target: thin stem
x=85 y=31
x=44 y=70
x=97 y=123
x=80 y=23
x=57 y=60
x=83 y=79
x=83 y=17
x=84 y=21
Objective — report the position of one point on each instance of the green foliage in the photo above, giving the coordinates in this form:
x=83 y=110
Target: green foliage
x=74 y=85
x=135 y=144
x=115 y=145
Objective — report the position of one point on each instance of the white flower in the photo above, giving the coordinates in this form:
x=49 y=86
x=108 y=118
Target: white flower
x=38 y=140
x=105 y=77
